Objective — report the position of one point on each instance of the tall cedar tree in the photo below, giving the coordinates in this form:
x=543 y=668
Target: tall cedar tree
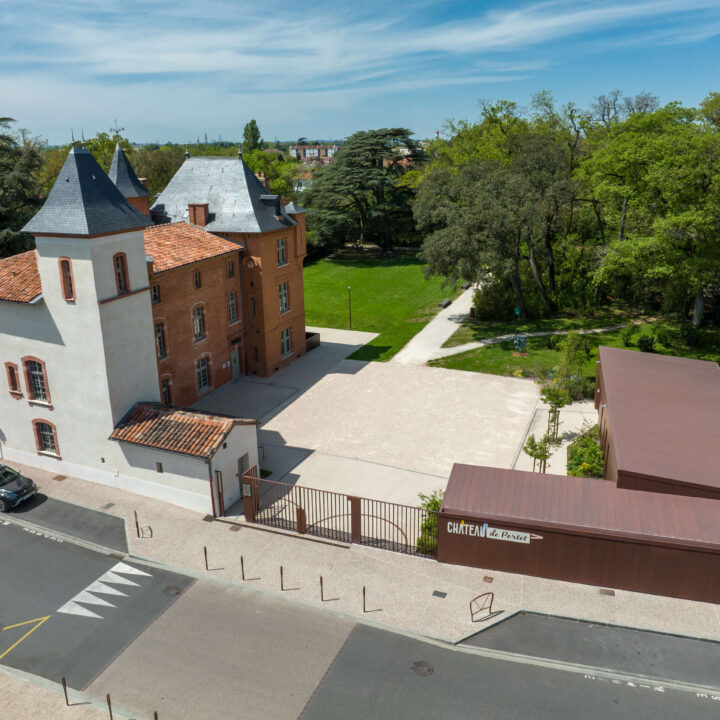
x=360 y=197
x=20 y=195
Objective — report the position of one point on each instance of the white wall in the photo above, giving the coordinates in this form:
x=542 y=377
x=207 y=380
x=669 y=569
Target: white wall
x=242 y=439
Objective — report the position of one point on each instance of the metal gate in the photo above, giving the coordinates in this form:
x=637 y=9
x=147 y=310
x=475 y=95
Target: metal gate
x=336 y=516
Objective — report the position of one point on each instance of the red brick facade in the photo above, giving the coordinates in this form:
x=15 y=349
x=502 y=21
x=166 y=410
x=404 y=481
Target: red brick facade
x=178 y=298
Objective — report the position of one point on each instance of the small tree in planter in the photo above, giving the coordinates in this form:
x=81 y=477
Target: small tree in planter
x=539 y=451
x=556 y=396
x=427 y=540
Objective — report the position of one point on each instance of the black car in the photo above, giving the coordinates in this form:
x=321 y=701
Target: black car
x=14 y=488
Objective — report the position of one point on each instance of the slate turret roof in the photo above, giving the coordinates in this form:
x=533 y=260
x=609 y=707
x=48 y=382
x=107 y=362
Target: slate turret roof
x=124 y=177
x=237 y=200
x=84 y=202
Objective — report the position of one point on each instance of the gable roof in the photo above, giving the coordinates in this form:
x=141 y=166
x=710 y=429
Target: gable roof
x=233 y=194
x=187 y=432
x=84 y=202
x=20 y=278
x=176 y=244
x=123 y=176
x=664 y=414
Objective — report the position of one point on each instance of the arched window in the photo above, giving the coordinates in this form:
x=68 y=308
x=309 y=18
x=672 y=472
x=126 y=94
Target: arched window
x=160 y=340
x=198 y=318
x=13 y=379
x=45 y=437
x=121 y=273
x=36 y=380
x=232 y=307
x=66 y=278
x=204 y=379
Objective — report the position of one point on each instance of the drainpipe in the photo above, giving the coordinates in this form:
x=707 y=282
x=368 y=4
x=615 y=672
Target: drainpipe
x=212 y=489
x=242 y=308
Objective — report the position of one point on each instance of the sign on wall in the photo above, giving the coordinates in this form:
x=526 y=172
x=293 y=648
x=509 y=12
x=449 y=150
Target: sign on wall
x=492 y=533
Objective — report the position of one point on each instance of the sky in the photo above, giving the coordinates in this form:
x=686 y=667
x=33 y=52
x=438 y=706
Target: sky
x=178 y=69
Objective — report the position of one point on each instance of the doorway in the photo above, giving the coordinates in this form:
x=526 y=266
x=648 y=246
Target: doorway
x=235 y=362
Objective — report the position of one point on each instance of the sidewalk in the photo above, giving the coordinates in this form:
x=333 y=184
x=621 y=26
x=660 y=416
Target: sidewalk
x=399 y=587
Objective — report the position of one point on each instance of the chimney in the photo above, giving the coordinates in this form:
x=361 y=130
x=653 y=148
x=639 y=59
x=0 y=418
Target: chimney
x=199 y=214
x=144 y=182
x=261 y=177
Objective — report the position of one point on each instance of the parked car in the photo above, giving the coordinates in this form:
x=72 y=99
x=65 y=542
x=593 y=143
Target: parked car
x=14 y=488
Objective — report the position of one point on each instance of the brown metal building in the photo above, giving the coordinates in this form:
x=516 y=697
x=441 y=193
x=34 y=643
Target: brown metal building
x=659 y=421
x=581 y=530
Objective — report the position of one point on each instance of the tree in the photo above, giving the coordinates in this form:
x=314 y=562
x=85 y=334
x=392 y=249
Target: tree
x=556 y=396
x=539 y=451
x=251 y=138
x=20 y=192
x=361 y=197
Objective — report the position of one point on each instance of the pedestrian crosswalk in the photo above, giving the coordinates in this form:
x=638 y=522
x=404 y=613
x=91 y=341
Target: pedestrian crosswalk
x=104 y=586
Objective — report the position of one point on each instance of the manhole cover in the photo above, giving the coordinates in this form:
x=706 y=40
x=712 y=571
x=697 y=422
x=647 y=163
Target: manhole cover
x=422 y=668
x=173 y=590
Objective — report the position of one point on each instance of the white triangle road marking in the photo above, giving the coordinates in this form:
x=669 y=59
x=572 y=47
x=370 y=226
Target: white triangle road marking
x=111 y=577
x=72 y=608
x=90 y=599
x=128 y=570
x=103 y=589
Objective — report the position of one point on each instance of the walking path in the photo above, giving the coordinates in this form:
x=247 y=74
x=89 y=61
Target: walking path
x=436 y=332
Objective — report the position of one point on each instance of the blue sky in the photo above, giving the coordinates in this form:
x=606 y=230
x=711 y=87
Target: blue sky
x=176 y=69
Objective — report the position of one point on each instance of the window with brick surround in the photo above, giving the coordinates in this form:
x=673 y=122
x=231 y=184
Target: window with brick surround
x=197 y=280
x=155 y=294
x=252 y=307
x=202 y=368
x=121 y=274
x=45 y=437
x=36 y=380
x=284 y=297
x=231 y=268
x=286 y=345
x=13 y=379
x=198 y=323
x=166 y=391
x=282 y=251
x=232 y=307
x=67 y=283
x=160 y=340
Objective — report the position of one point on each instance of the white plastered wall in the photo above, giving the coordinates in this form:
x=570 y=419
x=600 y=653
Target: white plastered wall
x=242 y=439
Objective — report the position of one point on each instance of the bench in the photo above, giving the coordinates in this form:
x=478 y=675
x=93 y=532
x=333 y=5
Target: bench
x=444 y=303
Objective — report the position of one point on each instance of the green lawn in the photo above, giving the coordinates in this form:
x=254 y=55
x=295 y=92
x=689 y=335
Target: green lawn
x=390 y=297
x=472 y=330
x=498 y=359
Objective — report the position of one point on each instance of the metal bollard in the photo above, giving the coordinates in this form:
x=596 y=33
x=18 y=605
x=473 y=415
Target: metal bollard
x=282 y=585
x=155 y=717
x=322 y=596
x=242 y=567
x=137 y=524
x=364 y=610
x=109 y=706
x=64 y=684
x=206 y=562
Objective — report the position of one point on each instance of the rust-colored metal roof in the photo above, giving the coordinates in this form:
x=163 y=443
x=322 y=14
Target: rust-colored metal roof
x=176 y=244
x=664 y=414
x=581 y=506
x=180 y=431
x=20 y=278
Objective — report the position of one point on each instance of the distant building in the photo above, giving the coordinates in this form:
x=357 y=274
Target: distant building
x=314 y=155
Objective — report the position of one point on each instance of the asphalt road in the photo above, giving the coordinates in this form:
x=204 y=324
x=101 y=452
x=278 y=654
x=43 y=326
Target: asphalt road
x=637 y=652
x=74 y=520
x=373 y=677
x=42 y=577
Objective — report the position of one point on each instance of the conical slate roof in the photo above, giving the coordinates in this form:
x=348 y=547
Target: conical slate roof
x=293 y=209
x=83 y=202
x=124 y=177
x=237 y=200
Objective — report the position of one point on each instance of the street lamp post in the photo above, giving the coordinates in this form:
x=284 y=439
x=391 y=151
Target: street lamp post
x=350 y=306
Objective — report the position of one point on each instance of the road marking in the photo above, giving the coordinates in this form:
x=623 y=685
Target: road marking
x=38 y=622
x=102 y=586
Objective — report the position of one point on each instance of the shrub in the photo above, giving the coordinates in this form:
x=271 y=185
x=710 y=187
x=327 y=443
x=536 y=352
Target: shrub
x=584 y=455
x=494 y=301
x=691 y=335
x=427 y=540
x=627 y=334
x=553 y=341
x=663 y=336
x=646 y=343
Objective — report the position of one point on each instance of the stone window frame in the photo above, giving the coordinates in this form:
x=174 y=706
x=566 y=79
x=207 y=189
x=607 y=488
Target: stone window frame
x=41 y=450
x=13 y=377
x=67 y=279
x=28 y=381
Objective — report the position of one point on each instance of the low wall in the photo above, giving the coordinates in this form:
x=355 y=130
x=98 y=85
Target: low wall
x=591 y=559
x=312 y=341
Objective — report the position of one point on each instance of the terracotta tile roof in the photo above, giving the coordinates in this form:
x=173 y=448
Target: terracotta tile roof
x=180 y=431
x=173 y=245
x=19 y=278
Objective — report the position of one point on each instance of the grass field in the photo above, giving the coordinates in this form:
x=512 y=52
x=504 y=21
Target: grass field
x=473 y=330
x=390 y=297
x=498 y=359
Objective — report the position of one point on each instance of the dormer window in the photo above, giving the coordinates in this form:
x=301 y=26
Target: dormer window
x=66 y=279
x=121 y=274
